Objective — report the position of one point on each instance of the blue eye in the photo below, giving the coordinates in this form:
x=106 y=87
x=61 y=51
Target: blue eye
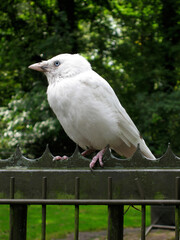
x=57 y=63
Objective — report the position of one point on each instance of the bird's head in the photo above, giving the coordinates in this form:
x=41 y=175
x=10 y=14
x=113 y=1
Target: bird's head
x=62 y=66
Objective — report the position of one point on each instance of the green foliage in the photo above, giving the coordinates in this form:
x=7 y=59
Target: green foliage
x=161 y=119
x=133 y=44
x=27 y=119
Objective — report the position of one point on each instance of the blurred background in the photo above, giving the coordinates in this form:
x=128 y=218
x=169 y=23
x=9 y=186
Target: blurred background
x=134 y=45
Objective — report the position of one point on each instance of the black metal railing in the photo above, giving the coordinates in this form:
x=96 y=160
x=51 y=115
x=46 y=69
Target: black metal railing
x=134 y=181
x=18 y=210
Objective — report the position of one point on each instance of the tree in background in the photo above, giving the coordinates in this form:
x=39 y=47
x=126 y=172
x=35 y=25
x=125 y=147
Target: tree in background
x=134 y=45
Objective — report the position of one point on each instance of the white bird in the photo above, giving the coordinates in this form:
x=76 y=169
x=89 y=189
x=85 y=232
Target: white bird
x=88 y=108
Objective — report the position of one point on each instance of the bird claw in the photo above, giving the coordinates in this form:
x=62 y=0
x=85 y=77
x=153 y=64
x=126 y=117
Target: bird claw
x=98 y=157
x=57 y=158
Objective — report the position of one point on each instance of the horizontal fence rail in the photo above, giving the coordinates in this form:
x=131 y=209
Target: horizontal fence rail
x=138 y=160
x=89 y=202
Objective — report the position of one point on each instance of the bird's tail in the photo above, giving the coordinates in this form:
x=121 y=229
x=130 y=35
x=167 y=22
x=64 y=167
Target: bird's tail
x=146 y=151
x=124 y=150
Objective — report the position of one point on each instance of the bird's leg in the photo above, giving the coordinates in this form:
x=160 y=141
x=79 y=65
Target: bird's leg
x=56 y=158
x=99 y=157
x=87 y=152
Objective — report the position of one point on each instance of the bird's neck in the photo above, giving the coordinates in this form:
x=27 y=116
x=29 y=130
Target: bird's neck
x=54 y=79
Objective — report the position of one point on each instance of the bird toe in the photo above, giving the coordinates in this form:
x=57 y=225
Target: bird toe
x=57 y=158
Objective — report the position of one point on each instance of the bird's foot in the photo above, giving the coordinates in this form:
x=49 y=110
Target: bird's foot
x=57 y=158
x=98 y=157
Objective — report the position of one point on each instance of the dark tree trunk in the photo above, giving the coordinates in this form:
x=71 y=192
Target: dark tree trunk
x=68 y=6
x=170 y=31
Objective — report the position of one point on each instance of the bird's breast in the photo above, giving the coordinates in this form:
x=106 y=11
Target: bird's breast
x=59 y=99
x=66 y=102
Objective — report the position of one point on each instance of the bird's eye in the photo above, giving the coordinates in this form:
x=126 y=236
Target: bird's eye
x=56 y=63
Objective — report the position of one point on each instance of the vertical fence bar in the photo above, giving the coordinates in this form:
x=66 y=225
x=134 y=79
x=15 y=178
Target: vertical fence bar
x=44 y=196
x=76 y=229
x=18 y=217
x=109 y=208
x=109 y=187
x=12 y=180
x=115 y=217
x=143 y=222
x=177 y=215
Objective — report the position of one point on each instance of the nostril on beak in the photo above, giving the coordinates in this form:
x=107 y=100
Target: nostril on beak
x=44 y=68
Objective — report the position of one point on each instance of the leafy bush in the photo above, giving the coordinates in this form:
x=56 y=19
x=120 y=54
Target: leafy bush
x=28 y=120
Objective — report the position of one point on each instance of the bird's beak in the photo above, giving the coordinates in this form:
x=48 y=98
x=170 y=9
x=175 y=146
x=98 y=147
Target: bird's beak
x=41 y=66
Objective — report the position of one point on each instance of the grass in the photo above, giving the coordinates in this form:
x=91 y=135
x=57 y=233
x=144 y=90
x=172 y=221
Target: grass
x=60 y=220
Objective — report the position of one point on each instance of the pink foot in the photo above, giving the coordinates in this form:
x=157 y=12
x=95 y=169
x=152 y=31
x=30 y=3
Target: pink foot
x=56 y=158
x=99 y=157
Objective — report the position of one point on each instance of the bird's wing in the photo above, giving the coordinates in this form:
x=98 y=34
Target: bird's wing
x=126 y=129
x=102 y=91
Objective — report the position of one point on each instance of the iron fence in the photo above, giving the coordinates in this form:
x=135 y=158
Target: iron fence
x=134 y=181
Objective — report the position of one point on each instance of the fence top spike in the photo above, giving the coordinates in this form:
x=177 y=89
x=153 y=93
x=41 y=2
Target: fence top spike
x=168 y=158
x=76 y=151
x=17 y=153
x=76 y=154
x=46 y=154
x=47 y=150
x=138 y=152
x=169 y=150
